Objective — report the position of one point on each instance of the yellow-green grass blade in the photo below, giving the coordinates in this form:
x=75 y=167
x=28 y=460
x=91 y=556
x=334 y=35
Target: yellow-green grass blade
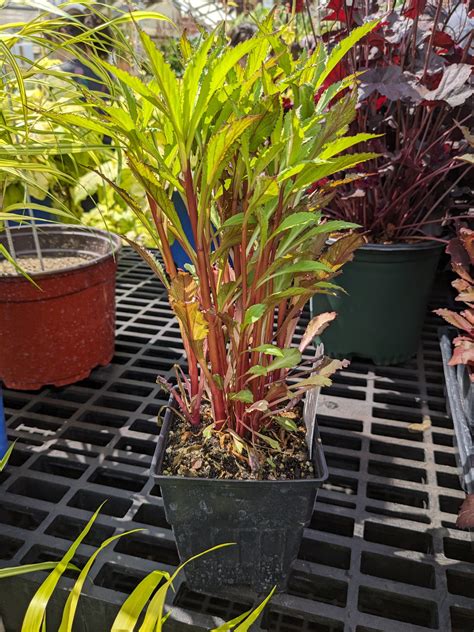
x=32 y=568
x=37 y=608
x=132 y=607
x=154 y=611
x=73 y=598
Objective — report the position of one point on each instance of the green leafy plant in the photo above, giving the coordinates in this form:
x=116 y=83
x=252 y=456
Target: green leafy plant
x=147 y=598
x=220 y=136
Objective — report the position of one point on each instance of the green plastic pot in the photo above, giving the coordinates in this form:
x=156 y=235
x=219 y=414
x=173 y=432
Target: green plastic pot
x=381 y=316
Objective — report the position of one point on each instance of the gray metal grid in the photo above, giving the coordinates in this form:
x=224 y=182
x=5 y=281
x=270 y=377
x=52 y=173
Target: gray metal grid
x=382 y=552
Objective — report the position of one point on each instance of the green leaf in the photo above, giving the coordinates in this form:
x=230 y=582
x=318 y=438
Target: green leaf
x=207 y=432
x=132 y=82
x=269 y=349
x=254 y=615
x=32 y=568
x=234 y=220
x=271 y=442
x=154 y=612
x=299 y=267
x=302 y=218
x=133 y=606
x=166 y=80
x=6 y=456
x=313 y=174
x=253 y=313
x=291 y=358
x=346 y=142
x=230 y=625
x=220 y=146
x=70 y=606
x=37 y=608
x=257 y=370
x=246 y=619
x=242 y=396
x=284 y=422
x=20 y=270
x=343 y=47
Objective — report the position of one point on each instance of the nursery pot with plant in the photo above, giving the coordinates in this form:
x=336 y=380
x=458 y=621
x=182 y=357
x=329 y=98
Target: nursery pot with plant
x=58 y=324
x=238 y=459
x=414 y=91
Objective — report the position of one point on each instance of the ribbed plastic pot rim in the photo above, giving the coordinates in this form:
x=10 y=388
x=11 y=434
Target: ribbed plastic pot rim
x=66 y=230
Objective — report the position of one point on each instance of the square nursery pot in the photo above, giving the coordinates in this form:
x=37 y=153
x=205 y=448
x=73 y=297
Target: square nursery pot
x=382 y=313
x=460 y=401
x=265 y=520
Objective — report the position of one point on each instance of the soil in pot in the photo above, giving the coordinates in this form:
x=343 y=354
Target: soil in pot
x=191 y=453
x=33 y=265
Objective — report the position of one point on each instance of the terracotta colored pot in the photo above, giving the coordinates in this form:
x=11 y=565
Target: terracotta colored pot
x=58 y=334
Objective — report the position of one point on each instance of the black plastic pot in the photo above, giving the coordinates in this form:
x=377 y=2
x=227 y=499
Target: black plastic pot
x=382 y=314
x=265 y=520
x=463 y=425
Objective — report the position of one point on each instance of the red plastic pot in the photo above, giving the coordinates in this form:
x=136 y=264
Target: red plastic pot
x=58 y=334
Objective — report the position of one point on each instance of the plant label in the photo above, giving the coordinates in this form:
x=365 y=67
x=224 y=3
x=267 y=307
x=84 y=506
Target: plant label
x=311 y=404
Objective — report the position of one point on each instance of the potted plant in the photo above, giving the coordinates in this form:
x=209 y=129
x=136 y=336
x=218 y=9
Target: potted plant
x=238 y=459
x=414 y=85
x=457 y=347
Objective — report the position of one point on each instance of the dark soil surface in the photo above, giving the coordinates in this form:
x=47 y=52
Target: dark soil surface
x=218 y=454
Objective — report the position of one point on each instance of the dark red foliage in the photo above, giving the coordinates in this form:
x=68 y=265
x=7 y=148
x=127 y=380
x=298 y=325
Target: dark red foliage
x=442 y=39
x=317 y=185
x=414 y=9
x=414 y=84
x=341 y=11
x=299 y=6
x=287 y=104
x=432 y=80
x=380 y=102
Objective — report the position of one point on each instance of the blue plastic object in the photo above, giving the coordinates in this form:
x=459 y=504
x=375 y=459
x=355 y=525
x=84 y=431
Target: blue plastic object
x=3 y=427
x=39 y=215
x=180 y=257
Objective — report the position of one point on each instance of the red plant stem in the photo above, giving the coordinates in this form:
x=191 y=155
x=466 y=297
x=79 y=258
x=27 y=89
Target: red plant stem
x=438 y=200
x=310 y=18
x=194 y=377
x=430 y=42
x=467 y=47
x=418 y=183
x=203 y=265
x=415 y=31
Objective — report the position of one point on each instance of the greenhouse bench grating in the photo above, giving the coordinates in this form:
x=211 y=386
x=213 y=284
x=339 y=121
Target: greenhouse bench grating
x=381 y=554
